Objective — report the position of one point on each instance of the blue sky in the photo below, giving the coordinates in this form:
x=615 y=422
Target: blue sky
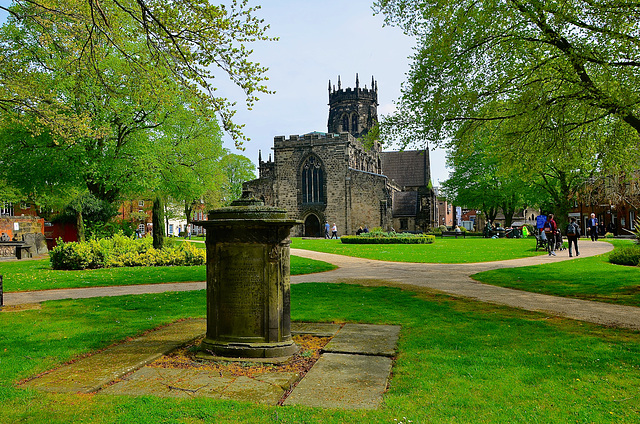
x=317 y=42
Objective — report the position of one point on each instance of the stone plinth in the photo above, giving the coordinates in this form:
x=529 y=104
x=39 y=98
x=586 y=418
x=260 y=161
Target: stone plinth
x=248 y=281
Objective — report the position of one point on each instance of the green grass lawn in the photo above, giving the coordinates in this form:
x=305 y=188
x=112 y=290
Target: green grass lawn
x=459 y=361
x=30 y=275
x=445 y=250
x=592 y=278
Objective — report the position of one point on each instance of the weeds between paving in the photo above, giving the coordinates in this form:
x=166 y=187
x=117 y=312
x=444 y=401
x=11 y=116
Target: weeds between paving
x=458 y=361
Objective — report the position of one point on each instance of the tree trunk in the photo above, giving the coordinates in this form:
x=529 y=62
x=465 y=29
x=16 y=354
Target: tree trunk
x=157 y=219
x=80 y=226
x=188 y=210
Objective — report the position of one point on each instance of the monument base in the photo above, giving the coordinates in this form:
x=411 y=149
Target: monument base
x=249 y=350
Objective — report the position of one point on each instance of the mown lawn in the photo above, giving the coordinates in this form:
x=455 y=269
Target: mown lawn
x=27 y=275
x=447 y=250
x=459 y=361
x=593 y=278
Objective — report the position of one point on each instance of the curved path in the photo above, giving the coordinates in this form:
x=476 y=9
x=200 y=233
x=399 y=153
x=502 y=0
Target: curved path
x=448 y=278
x=455 y=279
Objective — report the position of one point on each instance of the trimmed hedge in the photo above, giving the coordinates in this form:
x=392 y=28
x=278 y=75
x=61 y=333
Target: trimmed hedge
x=121 y=251
x=388 y=238
x=626 y=255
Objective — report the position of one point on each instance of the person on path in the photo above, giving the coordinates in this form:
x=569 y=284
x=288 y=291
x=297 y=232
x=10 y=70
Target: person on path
x=334 y=231
x=593 y=227
x=326 y=229
x=551 y=228
x=573 y=234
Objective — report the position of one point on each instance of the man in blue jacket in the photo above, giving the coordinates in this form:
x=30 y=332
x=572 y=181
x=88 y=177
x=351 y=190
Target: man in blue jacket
x=592 y=223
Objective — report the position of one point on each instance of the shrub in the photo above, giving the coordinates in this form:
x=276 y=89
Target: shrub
x=72 y=256
x=626 y=255
x=120 y=251
x=380 y=237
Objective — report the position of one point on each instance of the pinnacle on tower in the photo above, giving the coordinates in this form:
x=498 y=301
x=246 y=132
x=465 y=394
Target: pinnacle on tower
x=339 y=83
x=259 y=156
x=357 y=82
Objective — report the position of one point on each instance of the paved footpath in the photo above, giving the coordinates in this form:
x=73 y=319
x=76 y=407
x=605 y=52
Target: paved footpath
x=448 y=278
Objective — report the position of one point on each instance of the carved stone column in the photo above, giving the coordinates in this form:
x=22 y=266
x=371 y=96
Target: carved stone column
x=248 y=281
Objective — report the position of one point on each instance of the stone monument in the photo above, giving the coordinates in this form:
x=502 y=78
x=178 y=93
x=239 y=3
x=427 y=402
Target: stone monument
x=248 y=281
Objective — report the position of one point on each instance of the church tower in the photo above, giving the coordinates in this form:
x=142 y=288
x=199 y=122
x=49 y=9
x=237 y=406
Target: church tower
x=353 y=111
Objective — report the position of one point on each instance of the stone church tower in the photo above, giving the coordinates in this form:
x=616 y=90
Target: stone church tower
x=332 y=177
x=353 y=111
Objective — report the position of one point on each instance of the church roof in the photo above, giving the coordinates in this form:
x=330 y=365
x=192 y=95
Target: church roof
x=405 y=203
x=408 y=168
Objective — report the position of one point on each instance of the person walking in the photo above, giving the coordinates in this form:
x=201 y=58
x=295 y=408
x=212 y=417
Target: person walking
x=326 y=229
x=334 y=231
x=551 y=228
x=573 y=234
x=593 y=227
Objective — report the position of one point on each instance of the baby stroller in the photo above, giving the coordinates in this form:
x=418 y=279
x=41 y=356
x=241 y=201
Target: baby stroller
x=559 y=243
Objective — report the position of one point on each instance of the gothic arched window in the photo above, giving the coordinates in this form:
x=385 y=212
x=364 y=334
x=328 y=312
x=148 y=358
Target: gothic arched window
x=312 y=181
x=354 y=123
x=345 y=123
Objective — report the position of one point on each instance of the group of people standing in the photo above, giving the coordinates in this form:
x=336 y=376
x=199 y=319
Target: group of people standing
x=554 y=238
x=573 y=233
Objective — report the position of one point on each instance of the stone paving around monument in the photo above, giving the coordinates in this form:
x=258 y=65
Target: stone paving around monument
x=355 y=378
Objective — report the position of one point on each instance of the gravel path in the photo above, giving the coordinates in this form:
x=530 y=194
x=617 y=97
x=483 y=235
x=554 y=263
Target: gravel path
x=448 y=278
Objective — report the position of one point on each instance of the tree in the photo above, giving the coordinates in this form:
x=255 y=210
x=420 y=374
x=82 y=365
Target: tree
x=537 y=156
x=157 y=220
x=237 y=169
x=479 y=181
x=97 y=88
x=191 y=41
x=500 y=61
x=188 y=153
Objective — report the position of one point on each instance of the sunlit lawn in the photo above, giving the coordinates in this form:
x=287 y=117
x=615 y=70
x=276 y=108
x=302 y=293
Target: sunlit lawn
x=445 y=250
x=593 y=278
x=27 y=275
x=459 y=361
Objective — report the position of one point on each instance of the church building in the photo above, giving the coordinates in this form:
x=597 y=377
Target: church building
x=334 y=177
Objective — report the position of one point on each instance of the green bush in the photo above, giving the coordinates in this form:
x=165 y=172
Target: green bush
x=380 y=237
x=626 y=255
x=121 y=251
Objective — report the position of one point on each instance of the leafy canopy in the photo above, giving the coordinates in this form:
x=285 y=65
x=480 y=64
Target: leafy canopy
x=116 y=43
x=491 y=60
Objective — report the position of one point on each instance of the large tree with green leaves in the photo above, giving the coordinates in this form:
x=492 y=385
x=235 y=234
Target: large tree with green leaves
x=537 y=157
x=479 y=181
x=190 y=41
x=485 y=61
x=97 y=87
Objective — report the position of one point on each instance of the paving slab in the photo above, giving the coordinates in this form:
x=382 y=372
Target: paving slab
x=317 y=329
x=365 y=339
x=265 y=389
x=89 y=374
x=336 y=381
x=343 y=382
